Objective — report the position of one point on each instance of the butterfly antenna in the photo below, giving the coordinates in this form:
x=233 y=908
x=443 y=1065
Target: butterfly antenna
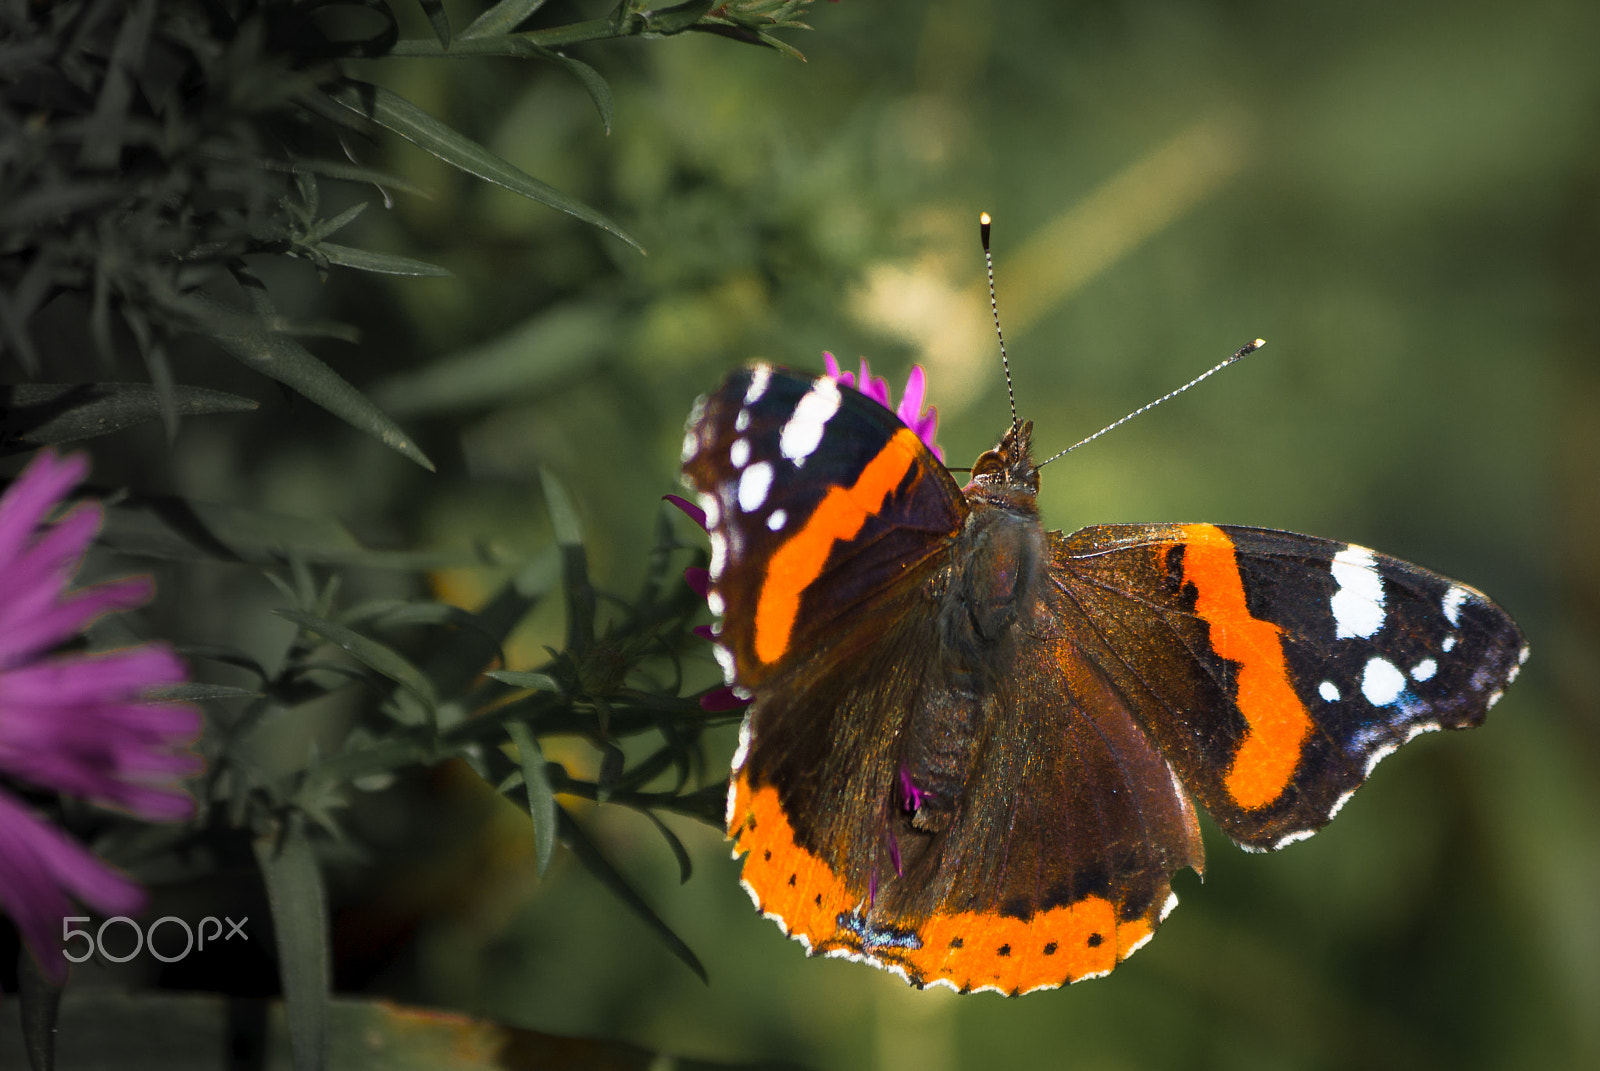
x=1244 y=351
x=994 y=307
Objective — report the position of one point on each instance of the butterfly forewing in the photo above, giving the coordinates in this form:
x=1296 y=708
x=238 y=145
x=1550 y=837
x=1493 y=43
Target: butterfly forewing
x=1274 y=669
x=816 y=498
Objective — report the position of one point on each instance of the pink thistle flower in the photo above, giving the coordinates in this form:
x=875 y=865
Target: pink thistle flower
x=925 y=424
x=74 y=723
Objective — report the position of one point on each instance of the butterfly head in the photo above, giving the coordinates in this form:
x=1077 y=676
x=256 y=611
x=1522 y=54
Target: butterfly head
x=1007 y=472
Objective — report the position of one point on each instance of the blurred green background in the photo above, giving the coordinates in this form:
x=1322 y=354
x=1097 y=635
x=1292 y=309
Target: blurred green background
x=1404 y=200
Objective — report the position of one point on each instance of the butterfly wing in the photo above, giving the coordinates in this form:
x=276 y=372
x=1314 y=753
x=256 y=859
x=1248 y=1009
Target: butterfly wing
x=817 y=499
x=1275 y=670
x=1057 y=859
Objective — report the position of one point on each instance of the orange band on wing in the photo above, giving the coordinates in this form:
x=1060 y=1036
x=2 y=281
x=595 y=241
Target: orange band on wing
x=838 y=517
x=967 y=949
x=1278 y=723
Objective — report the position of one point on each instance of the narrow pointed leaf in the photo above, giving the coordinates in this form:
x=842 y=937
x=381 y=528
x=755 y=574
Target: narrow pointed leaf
x=41 y=1007
x=285 y=360
x=437 y=18
x=677 y=17
x=538 y=354
x=395 y=113
x=384 y=263
x=502 y=18
x=46 y=414
x=597 y=864
x=542 y=805
x=539 y=682
x=685 y=865
x=574 y=563
x=370 y=653
x=299 y=908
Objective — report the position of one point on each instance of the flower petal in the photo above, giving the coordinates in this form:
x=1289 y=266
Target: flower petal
x=692 y=511
x=32 y=496
x=44 y=870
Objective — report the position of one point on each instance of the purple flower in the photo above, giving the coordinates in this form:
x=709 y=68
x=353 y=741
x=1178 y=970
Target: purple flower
x=926 y=425
x=74 y=723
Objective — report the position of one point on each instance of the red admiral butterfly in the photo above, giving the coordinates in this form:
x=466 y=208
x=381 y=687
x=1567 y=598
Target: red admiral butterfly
x=975 y=747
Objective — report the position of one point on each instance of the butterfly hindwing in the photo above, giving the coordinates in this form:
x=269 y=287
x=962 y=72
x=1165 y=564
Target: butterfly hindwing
x=1054 y=860
x=1275 y=670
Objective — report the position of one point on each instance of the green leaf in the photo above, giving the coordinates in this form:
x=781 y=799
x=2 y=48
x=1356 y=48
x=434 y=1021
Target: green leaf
x=563 y=515
x=196 y=691
x=285 y=360
x=332 y=226
x=675 y=19
x=553 y=347
x=574 y=563
x=597 y=864
x=384 y=263
x=539 y=682
x=504 y=16
x=103 y=133
x=341 y=169
x=459 y=659
x=47 y=414
x=41 y=1006
x=300 y=923
x=437 y=18
x=395 y=113
x=370 y=653
x=593 y=84
x=171 y=528
x=685 y=865
x=542 y=805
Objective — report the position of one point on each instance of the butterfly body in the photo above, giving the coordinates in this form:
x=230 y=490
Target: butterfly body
x=974 y=746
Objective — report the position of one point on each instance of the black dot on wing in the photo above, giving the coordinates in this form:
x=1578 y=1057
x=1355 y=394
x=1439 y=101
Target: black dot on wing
x=766 y=856
x=1050 y=949
x=792 y=877
x=1095 y=940
x=818 y=900
x=1003 y=950
x=956 y=942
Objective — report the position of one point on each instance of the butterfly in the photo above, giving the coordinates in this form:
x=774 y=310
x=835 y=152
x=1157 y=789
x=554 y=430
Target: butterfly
x=974 y=748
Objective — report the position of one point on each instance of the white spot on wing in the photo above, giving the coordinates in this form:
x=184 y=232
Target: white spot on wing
x=742 y=421
x=1449 y=644
x=1424 y=670
x=1514 y=673
x=1329 y=691
x=714 y=601
x=1166 y=908
x=754 y=483
x=803 y=431
x=1381 y=682
x=777 y=520
x=743 y=752
x=739 y=452
x=1522 y=655
x=760 y=376
x=725 y=660
x=1293 y=838
x=1452 y=603
x=1495 y=698
x=719 y=554
x=690 y=445
x=713 y=512
x=1358 y=604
